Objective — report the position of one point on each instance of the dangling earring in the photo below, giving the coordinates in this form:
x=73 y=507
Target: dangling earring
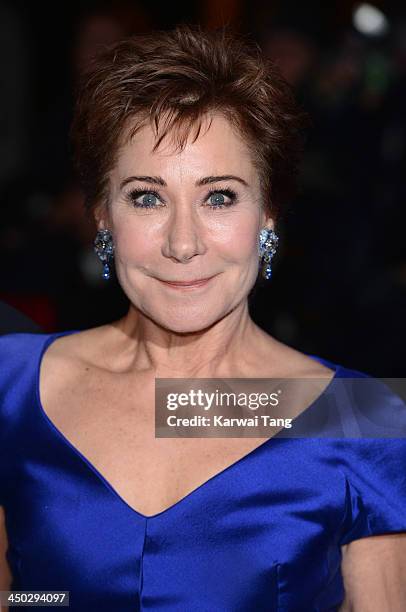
x=267 y=244
x=104 y=248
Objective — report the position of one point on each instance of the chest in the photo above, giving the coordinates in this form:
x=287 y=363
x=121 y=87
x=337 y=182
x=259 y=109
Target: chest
x=115 y=431
x=110 y=420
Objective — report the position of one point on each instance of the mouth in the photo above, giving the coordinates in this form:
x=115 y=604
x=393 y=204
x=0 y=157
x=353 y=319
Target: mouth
x=188 y=284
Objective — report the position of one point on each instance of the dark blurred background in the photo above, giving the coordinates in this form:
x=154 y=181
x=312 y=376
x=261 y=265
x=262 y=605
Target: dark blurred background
x=339 y=278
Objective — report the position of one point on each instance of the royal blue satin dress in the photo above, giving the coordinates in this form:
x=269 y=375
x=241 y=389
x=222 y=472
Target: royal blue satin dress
x=264 y=534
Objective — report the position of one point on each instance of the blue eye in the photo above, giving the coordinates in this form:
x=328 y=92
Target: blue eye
x=217 y=198
x=147 y=200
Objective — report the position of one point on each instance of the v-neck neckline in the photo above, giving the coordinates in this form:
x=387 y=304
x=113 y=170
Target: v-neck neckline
x=206 y=484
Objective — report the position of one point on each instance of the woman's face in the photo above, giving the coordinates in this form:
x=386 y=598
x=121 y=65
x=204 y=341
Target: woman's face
x=167 y=226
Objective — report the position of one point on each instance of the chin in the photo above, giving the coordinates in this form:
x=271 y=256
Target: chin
x=184 y=322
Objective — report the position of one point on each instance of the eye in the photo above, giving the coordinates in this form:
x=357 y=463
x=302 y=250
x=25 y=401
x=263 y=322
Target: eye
x=217 y=198
x=143 y=198
x=146 y=198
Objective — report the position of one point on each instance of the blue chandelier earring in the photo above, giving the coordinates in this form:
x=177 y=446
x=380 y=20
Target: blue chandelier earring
x=104 y=248
x=267 y=245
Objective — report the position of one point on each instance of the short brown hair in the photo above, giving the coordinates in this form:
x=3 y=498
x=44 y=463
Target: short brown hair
x=182 y=74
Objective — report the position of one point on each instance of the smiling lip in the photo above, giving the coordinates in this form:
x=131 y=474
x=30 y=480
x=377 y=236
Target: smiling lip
x=190 y=283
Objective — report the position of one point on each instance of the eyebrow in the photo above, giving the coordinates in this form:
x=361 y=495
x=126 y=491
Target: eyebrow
x=157 y=180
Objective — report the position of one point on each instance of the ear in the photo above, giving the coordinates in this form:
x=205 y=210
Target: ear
x=101 y=216
x=267 y=221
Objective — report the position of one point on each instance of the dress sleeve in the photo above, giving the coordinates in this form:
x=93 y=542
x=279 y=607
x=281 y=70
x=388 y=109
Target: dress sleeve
x=15 y=351
x=375 y=475
x=374 y=467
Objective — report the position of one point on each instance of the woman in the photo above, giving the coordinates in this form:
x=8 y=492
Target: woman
x=95 y=504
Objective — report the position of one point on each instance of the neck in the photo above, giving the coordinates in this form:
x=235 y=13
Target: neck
x=219 y=349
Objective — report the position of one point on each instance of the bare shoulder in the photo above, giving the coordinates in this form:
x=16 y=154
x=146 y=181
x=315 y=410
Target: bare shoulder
x=290 y=362
x=307 y=367
x=89 y=346
x=77 y=359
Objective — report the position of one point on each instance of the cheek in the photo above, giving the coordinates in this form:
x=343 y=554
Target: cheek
x=237 y=240
x=132 y=244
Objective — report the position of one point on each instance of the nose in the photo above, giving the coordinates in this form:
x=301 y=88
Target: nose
x=183 y=239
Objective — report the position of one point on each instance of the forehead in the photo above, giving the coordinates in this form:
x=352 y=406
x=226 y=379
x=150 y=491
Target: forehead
x=219 y=148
